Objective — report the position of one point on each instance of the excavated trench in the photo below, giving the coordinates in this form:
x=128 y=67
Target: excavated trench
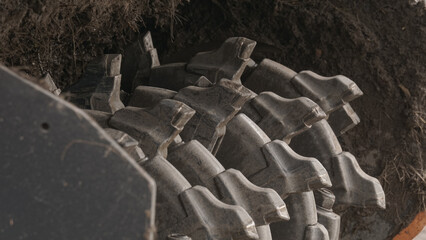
x=379 y=45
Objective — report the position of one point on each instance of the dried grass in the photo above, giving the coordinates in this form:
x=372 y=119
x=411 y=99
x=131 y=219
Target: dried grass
x=60 y=37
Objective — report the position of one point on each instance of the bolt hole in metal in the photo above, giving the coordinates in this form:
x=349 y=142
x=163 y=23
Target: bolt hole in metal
x=45 y=126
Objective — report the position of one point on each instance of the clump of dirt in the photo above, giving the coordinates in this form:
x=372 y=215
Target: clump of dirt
x=60 y=37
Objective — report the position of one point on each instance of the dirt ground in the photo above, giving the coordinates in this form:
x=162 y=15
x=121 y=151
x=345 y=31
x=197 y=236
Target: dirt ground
x=381 y=45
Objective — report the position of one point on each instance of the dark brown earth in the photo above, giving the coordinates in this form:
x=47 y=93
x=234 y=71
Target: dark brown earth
x=381 y=45
x=60 y=37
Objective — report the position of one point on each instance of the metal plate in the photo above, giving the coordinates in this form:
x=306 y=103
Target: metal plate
x=61 y=176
